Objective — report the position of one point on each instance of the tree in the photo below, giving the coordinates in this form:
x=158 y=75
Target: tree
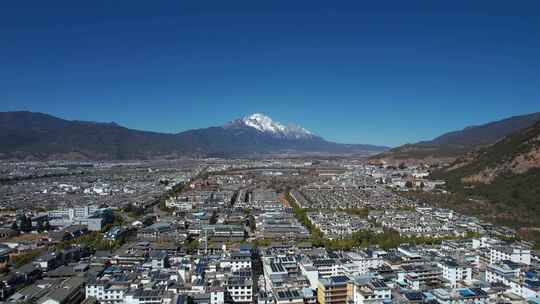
x=47 y=226
x=39 y=226
x=192 y=245
x=25 y=223
x=252 y=223
x=213 y=218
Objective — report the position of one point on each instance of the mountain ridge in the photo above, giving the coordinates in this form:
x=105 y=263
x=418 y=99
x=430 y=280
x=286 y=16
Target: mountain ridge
x=30 y=135
x=451 y=145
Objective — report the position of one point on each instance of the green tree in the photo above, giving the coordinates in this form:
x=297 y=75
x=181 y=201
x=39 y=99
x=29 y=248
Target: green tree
x=26 y=223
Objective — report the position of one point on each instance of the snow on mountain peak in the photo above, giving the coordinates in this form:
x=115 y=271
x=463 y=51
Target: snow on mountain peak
x=265 y=124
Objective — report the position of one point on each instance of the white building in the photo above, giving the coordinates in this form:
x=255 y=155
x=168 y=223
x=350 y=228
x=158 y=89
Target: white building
x=502 y=272
x=454 y=272
x=364 y=261
x=106 y=293
x=71 y=213
x=240 y=260
x=217 y=296
x=141 y=296
x=240 y=289
x=370 y=291
x=514 y=253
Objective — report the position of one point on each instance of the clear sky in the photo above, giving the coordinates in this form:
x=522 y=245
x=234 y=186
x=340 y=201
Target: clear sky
x=390 y=73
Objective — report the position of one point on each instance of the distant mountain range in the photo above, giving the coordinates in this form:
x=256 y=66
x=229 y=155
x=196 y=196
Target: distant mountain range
x=449 y=146
x=29 y=135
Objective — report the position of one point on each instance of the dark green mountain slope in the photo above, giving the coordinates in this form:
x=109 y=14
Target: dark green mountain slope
x=506 y=175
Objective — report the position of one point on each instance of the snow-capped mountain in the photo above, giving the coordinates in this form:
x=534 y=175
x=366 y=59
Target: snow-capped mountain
x=27 y=135
x=266 y=125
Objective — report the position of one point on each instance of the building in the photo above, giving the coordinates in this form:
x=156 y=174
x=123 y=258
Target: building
x=91 y=216
x=420 y=277
x=460 y=296
x=289 y=296
x=503 y=272
x=69 y=292
x=240 y=288
x=454 y=272
x=515 y=254
x=333 y=290
x=72 y=213
x=110 y=291
x=6 y=233
x=368 y=290
x=240 y=260
x=143 y=296
x=49 y=260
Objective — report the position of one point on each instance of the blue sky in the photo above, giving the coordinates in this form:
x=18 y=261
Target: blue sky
x=386 y=73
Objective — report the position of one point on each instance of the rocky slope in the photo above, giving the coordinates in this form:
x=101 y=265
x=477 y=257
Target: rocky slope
x=514 y=154
x=505 y=175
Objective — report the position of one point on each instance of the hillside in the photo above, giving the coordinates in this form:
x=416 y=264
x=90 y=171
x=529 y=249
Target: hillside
x=37 y=136
x=449 y=146
x=27 y=135
x=505 y=176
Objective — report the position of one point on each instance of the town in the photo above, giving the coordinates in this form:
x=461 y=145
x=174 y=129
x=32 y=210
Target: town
x=270 y=152
x=272 y=231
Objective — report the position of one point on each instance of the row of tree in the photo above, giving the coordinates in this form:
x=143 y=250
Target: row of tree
x=24 y=224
